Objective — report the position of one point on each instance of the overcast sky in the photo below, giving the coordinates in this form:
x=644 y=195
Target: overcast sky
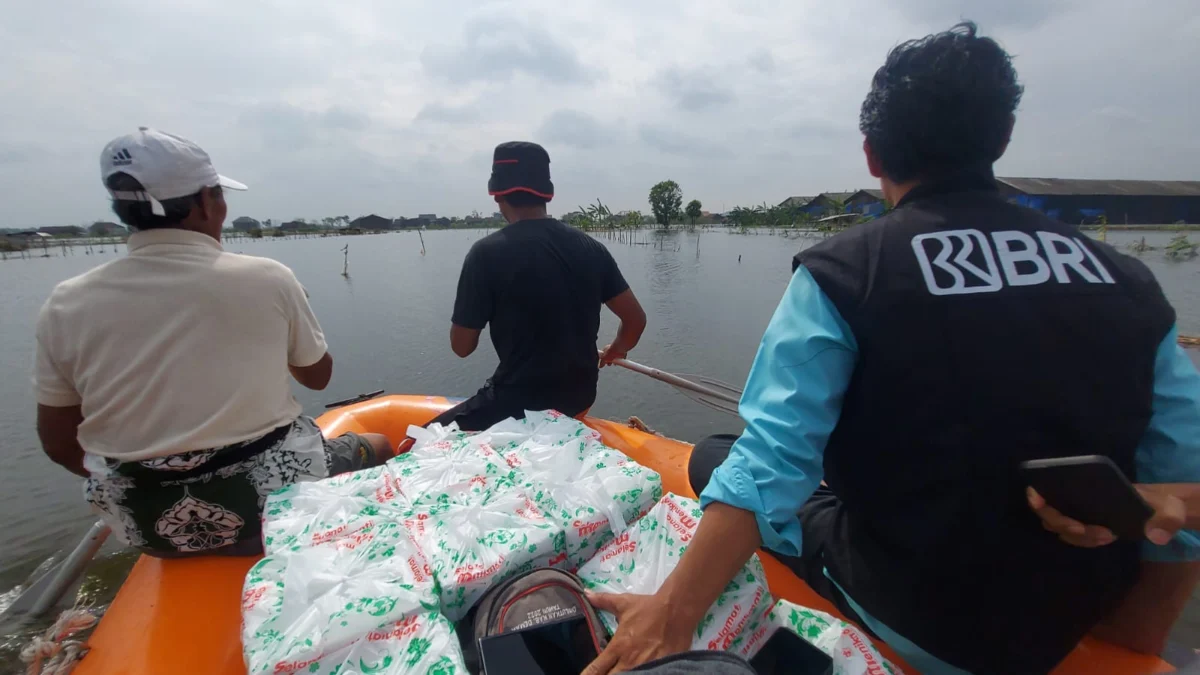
x=347 y=108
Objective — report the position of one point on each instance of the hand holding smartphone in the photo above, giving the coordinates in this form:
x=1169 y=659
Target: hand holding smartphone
x=1092 y=490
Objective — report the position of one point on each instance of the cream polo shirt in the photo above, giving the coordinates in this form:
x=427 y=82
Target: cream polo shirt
x=178 y=346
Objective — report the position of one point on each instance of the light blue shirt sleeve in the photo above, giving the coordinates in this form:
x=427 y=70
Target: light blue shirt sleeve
x=1170 y=449
x=791 y=403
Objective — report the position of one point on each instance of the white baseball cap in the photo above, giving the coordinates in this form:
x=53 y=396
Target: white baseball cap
x=167 y=166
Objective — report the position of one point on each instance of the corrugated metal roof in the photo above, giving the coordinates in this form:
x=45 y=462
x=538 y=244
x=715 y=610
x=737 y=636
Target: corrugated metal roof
x=837 y=196
x=876 y=194
x=796 y=201
x=1080 y=186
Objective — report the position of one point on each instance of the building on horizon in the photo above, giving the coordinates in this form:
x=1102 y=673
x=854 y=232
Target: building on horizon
x=1133 y=202
x=246 y=224
x=1070 y=200
x=373 y=222
x=102 y=228
x=62 y=230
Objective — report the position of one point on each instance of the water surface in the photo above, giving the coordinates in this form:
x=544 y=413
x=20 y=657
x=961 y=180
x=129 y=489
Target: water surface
x=388 y=328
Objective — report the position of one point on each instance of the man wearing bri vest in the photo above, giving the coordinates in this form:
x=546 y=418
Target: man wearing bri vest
x=913 y=363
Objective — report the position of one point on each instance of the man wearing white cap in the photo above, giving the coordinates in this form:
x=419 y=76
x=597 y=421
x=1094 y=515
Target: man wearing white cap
x=163 y=377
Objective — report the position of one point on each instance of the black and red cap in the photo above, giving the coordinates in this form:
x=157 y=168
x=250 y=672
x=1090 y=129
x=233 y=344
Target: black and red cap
x=519 y=166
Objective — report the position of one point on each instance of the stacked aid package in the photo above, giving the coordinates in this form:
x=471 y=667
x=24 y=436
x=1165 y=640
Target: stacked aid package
x=366 y=572
x=641 y=558
x=851 y=650
x=744 y=616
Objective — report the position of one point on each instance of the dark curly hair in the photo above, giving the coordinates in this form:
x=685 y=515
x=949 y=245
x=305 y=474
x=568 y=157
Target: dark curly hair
x=138 y=215
x=941 y=103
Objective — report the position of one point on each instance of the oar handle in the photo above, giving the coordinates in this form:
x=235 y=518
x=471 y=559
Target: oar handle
x=674 y=380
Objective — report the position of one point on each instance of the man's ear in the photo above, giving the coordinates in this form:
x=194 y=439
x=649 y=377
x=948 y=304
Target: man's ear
x=205 y=203
x=873 y=163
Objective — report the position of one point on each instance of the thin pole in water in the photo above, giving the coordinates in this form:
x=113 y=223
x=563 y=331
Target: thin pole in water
x=422 y=237
x=346 y=260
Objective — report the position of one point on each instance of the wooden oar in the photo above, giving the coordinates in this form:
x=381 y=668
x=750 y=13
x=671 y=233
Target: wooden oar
x=1189 y=340
x=704 y=390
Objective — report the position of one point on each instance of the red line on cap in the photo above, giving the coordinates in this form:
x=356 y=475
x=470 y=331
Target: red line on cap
x=505 y=161
x=531 y=191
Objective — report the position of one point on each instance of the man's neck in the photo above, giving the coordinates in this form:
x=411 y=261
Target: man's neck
x=893 y=192
x=201 y=228
x=534 y=213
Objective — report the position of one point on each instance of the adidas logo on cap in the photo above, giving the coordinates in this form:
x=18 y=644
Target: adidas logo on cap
x=122 y=158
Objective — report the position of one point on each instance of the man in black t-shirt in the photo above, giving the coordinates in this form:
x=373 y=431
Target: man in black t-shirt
x=540 y=284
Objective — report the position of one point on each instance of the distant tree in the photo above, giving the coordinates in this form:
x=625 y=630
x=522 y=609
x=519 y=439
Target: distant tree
x=666 y=201
x=268 y=223
x=693 y=210
x=598 y=212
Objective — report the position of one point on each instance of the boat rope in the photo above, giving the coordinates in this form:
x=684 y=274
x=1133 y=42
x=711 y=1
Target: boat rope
x=56 y=652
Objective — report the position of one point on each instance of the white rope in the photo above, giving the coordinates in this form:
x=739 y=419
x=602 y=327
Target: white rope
x=54 y=652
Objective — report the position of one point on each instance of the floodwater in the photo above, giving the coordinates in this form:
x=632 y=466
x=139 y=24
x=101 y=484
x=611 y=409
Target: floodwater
x=708 y=294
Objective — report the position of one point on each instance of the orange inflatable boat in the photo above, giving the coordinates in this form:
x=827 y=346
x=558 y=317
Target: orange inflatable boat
x=184 y=616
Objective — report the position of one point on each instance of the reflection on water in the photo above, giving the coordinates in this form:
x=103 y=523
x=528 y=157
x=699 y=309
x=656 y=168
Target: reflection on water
x=708 y=294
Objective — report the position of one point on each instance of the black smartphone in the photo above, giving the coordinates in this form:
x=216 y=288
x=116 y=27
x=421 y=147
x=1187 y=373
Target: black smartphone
x=786 y=652
x=559 y=648
x=1092 y=490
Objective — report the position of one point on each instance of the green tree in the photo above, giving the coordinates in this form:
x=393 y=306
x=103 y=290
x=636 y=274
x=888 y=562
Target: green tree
x=666 y=201
x=693 y=210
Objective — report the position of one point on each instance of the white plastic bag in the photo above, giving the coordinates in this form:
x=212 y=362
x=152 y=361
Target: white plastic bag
x=475 y=539
x=438 y=461
x=640 y=559
x=564 y=456
x=583 y=511
x=308 y=514
x=357 y=603
x=851 y=650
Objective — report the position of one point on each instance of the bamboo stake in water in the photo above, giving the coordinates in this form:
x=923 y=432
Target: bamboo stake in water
x=422 y=242
x=346 y=260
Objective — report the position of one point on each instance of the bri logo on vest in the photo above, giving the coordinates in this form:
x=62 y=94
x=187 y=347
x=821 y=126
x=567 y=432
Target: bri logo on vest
x=957 y=262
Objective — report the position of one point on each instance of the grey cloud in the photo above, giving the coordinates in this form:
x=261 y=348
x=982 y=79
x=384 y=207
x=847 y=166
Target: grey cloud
x=989 y=14
x=282 y=126
x=497 y=48
x=14 y=155
x=337 y=117
x=675 y=142
x=763 y=61
x=449 y=114
x=692 y=90
x=575 y=129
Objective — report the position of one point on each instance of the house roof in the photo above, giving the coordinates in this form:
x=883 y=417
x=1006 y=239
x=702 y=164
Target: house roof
x=877 y=194
x=836 y=196
x=796 y=201
x=1080 y=186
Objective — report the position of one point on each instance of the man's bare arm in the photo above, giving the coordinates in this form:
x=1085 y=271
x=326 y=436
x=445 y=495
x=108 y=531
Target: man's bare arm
x=316 y=376
x=58 y=429
x=463 y=341
x=633 y=322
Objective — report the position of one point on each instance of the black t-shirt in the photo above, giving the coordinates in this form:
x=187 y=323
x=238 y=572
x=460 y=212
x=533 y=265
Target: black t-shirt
x=540 y=285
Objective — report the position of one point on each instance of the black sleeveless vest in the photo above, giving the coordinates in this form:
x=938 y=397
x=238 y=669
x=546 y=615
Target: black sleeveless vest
x=988 y=334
